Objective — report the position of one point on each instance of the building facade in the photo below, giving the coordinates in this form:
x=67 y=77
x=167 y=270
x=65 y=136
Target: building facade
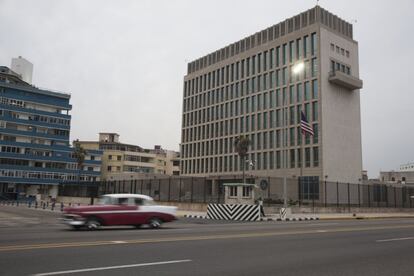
x=258 y=87
x=405 y=175
x=35 y=154
x=122 y=160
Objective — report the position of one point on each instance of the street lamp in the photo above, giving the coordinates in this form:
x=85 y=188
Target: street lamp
x=296 y=69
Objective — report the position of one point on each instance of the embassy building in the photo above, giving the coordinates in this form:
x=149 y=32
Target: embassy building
x=259 y=86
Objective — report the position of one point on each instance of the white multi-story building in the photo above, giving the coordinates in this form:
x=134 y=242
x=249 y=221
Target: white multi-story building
x=259 y=86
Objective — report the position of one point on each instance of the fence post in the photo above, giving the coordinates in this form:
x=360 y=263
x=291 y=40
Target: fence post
x=369 y=197
x=395 y=197
x=159 y=189
x=359 y=195
x=192 y=189
x=205 y=190
x=337 y=194
x=179 y=192
x=169 y=188
x=135 y=186
x=402 y=196
x=326 y=197
x=349 y=199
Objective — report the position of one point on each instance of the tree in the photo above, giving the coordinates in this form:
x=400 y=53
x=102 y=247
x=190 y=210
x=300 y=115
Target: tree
x=79 y=154
x=241 y=145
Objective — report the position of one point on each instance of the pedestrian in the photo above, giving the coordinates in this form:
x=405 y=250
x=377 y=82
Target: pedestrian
x=260 y=202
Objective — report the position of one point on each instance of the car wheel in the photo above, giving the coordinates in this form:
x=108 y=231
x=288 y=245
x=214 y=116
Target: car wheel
x=155 y=223
x=76 y=227
x=137 y=226
x=92 y=224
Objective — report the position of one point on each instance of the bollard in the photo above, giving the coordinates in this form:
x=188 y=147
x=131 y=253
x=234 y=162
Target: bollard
x=53 y=206
x=36 y=204
x=47 y=204
x=44 y=205
x=61 y=206
x=17 y=203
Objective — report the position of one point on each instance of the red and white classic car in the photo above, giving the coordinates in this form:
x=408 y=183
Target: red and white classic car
x=119 y=209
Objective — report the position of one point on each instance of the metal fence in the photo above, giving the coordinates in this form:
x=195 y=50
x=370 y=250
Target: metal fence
x=300 y=192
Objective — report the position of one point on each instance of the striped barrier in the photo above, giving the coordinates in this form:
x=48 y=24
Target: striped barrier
x=240 y=212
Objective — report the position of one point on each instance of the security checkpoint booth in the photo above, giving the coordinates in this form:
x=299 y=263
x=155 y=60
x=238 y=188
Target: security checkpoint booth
x=239 y=203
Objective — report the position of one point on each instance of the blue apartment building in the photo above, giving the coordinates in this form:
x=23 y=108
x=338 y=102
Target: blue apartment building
x=35 y=153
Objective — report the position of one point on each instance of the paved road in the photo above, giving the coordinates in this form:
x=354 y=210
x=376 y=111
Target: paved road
x=34 y=243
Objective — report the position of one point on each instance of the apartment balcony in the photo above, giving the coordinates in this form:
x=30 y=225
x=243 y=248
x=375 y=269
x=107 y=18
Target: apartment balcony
x=345 y=80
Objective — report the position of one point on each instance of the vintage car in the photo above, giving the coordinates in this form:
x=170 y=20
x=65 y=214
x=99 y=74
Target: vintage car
x=119 y=209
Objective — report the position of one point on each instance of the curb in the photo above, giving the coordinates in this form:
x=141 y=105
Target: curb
x=290 y=219
x=196 y=217
x=261 y=219
x=352 y=218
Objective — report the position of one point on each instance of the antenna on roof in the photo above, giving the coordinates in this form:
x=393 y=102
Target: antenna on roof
x=317 y=2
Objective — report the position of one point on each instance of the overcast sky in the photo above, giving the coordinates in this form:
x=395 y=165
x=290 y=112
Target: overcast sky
x=123 y=62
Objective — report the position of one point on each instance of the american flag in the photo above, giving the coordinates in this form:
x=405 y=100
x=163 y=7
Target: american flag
x=304 y=125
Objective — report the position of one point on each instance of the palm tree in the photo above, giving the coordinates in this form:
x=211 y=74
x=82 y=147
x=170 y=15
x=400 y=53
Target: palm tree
x=79 y=153
x=241 y=145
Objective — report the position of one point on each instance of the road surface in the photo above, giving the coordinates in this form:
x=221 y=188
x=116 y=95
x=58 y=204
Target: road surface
x=32 y=242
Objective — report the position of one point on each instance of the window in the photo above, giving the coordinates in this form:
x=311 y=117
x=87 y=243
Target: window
x=332 y=47
x=315 y=111
x=309 y=187
x=246 y=191
x=307 y=157
x=314 y=89
x=233 y=191
x=314 y=44
x=284 y=54
x=292 y=158
x=315 y=156
x=307 y=91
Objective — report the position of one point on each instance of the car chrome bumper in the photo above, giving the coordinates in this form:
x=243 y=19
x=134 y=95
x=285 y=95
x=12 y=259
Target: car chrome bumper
x=73 y=220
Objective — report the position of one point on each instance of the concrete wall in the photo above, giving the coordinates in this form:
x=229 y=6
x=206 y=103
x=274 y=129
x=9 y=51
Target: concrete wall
x=340 y=114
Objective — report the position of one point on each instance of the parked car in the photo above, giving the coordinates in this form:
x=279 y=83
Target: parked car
x=119 y=209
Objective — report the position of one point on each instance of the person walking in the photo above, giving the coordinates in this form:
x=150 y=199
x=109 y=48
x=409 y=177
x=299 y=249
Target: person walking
x=260 y=202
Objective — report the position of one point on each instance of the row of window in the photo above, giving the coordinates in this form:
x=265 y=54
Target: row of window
x=256 y=162
x=30 y=140
x=339 y=50
x=259 y=141
x=338 y=66
x=305 y=91
x=49 y=131
x=260 y=121
x=28 y=116
x=44 y=175
x=278 y=56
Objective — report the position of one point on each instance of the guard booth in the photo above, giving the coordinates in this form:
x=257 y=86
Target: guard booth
x=239 y=204
x=239 y=193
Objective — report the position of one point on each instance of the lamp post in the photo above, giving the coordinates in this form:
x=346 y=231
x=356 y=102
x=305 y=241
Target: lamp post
x=296 y=69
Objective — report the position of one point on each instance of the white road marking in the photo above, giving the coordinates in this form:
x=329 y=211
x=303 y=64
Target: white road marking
x=396 y=239
x=323 y=224
x=119 y=242
x=321 y=231
x=109 y=267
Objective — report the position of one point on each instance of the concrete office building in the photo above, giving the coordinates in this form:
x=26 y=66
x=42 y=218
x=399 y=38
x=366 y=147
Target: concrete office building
x=35 y=155
x=124 y=161
x=258 y=87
